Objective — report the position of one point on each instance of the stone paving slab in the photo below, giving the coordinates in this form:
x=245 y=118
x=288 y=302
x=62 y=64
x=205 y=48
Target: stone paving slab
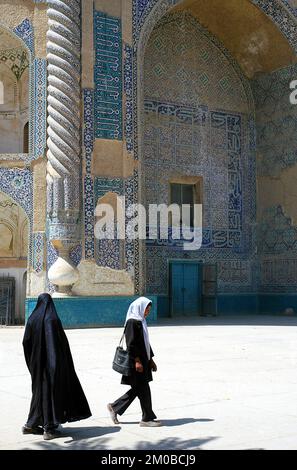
x=222 y=383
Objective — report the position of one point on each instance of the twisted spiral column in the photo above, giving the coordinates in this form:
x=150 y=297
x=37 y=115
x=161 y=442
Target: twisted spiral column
x=63 y=55
x=64 y=136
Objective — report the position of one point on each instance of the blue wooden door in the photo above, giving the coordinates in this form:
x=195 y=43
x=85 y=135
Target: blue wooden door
x=186 y=288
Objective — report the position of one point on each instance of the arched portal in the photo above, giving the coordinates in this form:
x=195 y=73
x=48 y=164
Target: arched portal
x=14 y=247
x=198 y=108
x=14 y=105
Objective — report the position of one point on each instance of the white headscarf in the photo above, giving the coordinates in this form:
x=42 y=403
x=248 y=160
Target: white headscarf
x=136 y=311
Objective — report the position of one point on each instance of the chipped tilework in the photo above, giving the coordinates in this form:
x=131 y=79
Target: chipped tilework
x=114 y=253
x=276 y=121
x=277 y=251
x=130 y=198
x=102 y=185
x=108 y=253
x=108 y=76
x=146 y=13
x=278 y=12
x=276 y=233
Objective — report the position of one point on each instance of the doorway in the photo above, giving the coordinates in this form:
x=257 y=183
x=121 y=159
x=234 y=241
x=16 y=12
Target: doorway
x=186 y=280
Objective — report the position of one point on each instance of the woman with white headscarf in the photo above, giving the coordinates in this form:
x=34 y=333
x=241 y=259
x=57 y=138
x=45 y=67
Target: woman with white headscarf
x=138 y=345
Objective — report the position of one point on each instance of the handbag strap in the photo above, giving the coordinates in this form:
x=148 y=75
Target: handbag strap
x=122 y=338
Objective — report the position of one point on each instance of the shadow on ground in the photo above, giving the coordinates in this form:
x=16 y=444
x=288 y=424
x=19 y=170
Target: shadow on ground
x=78 y=438
x=175 y=422
x=172 y=443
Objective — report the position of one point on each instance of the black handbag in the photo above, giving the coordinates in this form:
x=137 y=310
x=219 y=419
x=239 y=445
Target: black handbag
x=122 y=361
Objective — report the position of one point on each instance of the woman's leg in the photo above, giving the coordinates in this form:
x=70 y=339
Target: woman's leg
x=121 y=404
x=144 y=395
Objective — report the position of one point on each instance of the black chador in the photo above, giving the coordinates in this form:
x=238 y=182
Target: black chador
x=57 y=395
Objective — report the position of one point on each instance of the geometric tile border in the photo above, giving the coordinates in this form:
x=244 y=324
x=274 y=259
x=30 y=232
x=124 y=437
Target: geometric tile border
x=40 y=105
x=38 y=248
x=128 y=88
x=108 y=76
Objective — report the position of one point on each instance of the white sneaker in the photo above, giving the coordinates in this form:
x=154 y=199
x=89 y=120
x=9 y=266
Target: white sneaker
x=150 y=424
x=113 y=414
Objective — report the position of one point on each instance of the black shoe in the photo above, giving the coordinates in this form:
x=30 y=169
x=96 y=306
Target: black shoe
x=27 y=430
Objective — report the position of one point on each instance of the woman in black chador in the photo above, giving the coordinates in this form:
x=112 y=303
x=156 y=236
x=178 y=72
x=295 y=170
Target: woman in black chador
x=138 y=345
x=57 y=396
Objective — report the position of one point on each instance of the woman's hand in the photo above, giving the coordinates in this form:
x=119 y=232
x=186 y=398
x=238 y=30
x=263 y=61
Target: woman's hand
x=153 y=366
x=138 y=366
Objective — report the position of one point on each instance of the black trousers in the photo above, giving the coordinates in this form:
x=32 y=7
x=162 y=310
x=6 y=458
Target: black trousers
x=143 y=392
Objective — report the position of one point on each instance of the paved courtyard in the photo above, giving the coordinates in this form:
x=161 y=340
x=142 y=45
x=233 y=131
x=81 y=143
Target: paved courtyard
x=222 y=383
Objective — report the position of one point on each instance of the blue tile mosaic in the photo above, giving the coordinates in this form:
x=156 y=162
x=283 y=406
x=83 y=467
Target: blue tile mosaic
x=38 y=248
x=108 y=253
x=40 y=104
x=276 y=121
x=188 y=131
x=25 y=31
x=128 y=88
x=89 y=217
x=103 y=185
x=18 y=185
x=108 y=76
x=88 y=137
x=190 y=117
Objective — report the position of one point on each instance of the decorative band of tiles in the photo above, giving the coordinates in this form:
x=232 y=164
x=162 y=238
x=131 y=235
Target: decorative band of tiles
x=88 y=136
x=89 y=217
x=39 y=132
x=128 y=87
x=108 y=76
x=210 y=239
x=38 y=249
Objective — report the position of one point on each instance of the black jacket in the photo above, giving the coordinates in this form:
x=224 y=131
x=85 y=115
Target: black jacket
x=136 y=347
x=57 y=396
